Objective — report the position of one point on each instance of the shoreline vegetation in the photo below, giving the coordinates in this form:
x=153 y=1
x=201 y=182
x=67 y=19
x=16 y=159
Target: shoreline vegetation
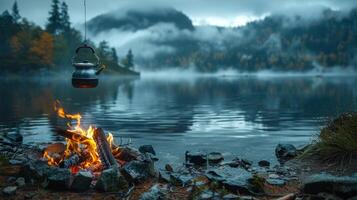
x=28 y=48
x=323 y=169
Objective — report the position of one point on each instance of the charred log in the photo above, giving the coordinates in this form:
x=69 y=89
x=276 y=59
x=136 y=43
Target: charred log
x=103 y=149
x=71 y=135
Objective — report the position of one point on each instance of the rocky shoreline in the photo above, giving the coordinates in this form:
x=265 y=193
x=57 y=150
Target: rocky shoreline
x=23 y=175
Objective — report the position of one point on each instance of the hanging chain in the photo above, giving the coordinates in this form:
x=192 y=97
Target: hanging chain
x=85 y=21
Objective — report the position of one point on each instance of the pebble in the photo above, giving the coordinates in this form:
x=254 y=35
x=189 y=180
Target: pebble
x=15 y=162
x=10 y=190
x=11 y=179
x=274 y=176
x=20 y=181
x=275 y=181
x=169 y=168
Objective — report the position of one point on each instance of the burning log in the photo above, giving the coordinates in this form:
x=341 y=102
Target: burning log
x=71 y=135
x=104 y=150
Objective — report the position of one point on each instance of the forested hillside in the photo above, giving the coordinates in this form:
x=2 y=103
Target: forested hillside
x=279 y=42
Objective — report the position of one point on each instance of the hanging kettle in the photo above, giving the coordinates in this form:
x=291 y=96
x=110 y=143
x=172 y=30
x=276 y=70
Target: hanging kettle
x=86 y=73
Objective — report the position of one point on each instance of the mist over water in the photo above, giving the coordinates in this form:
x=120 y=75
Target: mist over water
x=242 y=116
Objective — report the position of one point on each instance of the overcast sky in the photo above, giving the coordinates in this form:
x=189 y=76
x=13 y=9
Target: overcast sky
x=216 y=12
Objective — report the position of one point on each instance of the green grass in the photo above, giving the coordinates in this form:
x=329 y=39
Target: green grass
x=337 y=142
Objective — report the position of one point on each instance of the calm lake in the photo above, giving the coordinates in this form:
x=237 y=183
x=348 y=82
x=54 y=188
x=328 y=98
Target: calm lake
x=236 y=115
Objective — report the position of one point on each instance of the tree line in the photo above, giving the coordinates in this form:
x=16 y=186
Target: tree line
x=26 y=47
x=277 y=42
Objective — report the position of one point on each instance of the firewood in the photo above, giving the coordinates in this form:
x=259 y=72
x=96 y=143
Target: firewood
x=103 y=149
x=71 y=135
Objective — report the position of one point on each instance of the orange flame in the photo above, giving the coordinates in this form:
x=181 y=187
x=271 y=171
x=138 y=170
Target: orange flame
x=85 y=149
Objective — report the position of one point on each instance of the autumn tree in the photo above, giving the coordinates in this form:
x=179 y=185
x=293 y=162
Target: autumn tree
x=42 y=49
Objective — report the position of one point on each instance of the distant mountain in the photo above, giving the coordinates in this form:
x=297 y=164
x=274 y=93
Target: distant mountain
x=277 y=42
x=133 y=20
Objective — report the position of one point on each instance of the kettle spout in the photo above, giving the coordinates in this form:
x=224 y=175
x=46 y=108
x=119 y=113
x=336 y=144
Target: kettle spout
x=100 y=70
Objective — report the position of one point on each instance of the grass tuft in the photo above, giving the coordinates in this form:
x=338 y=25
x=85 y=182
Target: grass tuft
x=337 y=142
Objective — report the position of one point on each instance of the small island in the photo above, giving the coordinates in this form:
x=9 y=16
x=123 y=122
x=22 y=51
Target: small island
x=29 y=48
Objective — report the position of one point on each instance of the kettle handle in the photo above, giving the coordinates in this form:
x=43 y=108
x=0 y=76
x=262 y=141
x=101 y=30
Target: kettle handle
x=85 y=46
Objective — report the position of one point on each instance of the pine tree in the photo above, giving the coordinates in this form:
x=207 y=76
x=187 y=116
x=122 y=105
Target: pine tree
x=15 y=12
x=65 y=23
x=54 y=21
x=115 y=56
x=129 y=60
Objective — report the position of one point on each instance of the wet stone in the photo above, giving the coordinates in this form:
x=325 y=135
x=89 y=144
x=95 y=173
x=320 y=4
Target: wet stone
x=233 y=179
x=169 y=168
x=30 y=195
x=273 y=176
x=11 y=180
x=36 y=169
x=285 y=152
x=10 y=190
x=15 y=162
x=275 y=181
x=196 y=158
x=165 y=176
x=215 y=157
x=230 y=197
x=208 y=194
x=82 y=181
x=138 y=171
x=156 y=192
x=182 y=179
x=343 y=186
x=111 y=181
x=57 y=178
x=264 y=163
x=147 y=149
x=20 y=181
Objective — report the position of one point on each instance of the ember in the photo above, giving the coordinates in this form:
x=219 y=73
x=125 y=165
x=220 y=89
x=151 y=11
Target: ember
x=85 y=148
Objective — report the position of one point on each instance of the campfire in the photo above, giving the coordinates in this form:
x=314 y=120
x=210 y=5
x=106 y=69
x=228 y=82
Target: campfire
x=85 y=149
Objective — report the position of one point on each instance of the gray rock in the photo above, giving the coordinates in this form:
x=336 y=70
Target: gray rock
x=285 y=152
x=156 y=192
x=147 y=149
x=82 y=181
x=58 y=178
x=169 y=168
x=9 y=190
x=165 y=176
x=230 y=197
x=182 y=179
x=206 y=194
x=111 y=181
x=15 y=162
x=138 y=171
x=36 y=169
x=215 y=157
x=11 y=179
x=20 y=181
x=30 y=195
x=273 y=176
x=343 y=186
x=196 y=158
x=264 y=163
x=236 y=180
x=275 y=181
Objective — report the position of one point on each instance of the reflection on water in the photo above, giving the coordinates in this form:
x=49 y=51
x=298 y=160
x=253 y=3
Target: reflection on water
x=244 y=116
